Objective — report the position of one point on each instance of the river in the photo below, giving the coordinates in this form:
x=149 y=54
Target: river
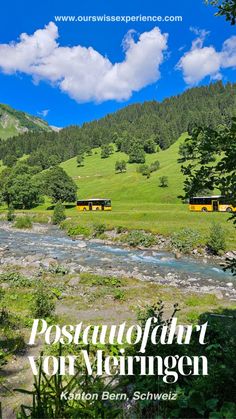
x=50 y=242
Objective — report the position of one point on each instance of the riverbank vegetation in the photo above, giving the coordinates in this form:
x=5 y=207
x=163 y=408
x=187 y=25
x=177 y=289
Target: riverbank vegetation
x=66 y=297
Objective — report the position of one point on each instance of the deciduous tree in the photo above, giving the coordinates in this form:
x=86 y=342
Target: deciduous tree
x=59 y=186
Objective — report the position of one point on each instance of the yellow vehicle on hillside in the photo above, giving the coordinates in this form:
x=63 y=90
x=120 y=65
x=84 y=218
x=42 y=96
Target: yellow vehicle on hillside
x=217 y=203
x=94 y=204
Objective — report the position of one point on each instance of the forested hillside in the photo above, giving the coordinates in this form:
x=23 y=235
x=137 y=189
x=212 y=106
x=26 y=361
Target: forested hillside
x=136 y=127
x=14 y=122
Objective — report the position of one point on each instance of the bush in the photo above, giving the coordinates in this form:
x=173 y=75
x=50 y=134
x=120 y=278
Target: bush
x=46 y=395
x=98 y=280
x=80 y=160
x=16 y=279
x=23 y=222
x=185 y=240
x=216 y=241
x=43 y=305
x=120 y=229
x=58 y=213
x=209 y=396
x=120 y=166
x=119 y=295
x=58 y=269
x=163 y=182
x=99 y=229
x=79 y=230
x=138 y=238
x=106 y=151
x=2 y=294
x=145 y=170
x=11 y=214
x=155 y=166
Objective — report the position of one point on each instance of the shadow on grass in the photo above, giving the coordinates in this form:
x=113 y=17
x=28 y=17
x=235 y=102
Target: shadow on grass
x=67 y=206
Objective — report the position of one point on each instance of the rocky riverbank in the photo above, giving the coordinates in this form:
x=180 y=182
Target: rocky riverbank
x=44 y=247
x=112 y=237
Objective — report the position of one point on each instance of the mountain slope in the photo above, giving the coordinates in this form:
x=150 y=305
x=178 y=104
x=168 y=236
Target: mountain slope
x=14 y=122
x=162 y=122
x=97 y=178
x=138 y=202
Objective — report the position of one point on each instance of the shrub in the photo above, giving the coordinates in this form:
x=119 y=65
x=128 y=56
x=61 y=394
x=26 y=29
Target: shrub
x=79 y=230
x=138 y=238
x=98 y=229
x=106 y=150
x=4 y=316
x=16 y=279
x=216 y=241
x=143 y=169
x=98 y=280
x=80 y=160
x=119 y=295
x=2 y=294
x=23 y=222
x=58 y=213
x=155 y=166
x=185 y=240
x=120 y=229
x=46 y=395
x=163 y=182
x=209 y=396
x=58 y=269
x=146 y=170
x=43 y=304
x=120 y=166
x=10 y=214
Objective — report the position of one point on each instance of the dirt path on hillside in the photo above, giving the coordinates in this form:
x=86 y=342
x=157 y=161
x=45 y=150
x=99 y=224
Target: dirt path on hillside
x=17 y=373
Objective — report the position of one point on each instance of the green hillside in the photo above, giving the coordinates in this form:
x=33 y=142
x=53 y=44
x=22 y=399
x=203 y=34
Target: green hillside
x=98 y=178
x=14 y=122
x=138 y=202
x=162 y=122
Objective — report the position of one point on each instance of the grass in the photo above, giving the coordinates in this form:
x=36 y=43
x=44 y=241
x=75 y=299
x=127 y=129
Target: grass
x=98 y=178
x=11 y=131
x=23 y=222
x=96 y=295
x=94 y=300
x=137 y=202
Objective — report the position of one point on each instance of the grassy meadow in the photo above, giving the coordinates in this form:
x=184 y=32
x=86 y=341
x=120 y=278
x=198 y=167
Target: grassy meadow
x=137 y=202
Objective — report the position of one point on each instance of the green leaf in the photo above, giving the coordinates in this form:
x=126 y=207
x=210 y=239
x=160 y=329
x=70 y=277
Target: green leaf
x=211 y=403
x=228 y=410
x=215 y=415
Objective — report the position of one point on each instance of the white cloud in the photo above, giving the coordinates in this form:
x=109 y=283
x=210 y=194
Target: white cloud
x=228 y=54
x=83 y=73
x=44 y=113
x=201 y=61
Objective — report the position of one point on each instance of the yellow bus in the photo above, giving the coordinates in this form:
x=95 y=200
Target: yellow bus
x=94 y=204
x=218 y=203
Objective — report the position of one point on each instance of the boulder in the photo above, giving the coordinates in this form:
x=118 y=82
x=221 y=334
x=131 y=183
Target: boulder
x=74 y=282
x=48 y=261
x=177 y=255
x=81 y=245
x=5 y=286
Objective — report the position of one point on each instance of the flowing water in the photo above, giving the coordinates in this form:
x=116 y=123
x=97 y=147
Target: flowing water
x=146 y=263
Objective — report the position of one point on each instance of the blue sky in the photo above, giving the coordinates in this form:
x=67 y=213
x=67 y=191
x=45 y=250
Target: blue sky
x=71 y=90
